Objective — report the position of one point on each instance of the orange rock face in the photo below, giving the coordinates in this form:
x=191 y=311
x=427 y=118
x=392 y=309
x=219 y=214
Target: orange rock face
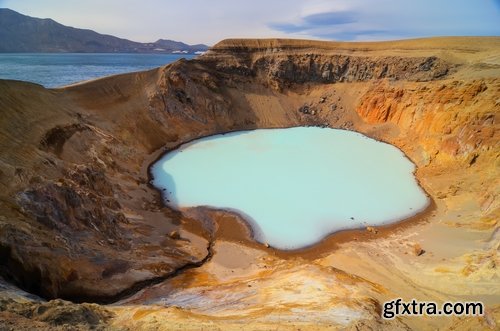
x=451 y=117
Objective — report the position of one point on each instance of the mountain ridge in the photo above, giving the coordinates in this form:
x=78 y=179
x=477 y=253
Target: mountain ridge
x=24 y=34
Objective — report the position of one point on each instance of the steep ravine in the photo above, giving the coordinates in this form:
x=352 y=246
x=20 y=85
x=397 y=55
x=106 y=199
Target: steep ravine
x=79 y=220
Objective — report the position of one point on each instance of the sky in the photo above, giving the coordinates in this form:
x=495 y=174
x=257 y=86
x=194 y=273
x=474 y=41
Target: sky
x=209 y=21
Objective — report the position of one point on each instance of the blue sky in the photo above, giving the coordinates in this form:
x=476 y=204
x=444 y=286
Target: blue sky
x=205 y=21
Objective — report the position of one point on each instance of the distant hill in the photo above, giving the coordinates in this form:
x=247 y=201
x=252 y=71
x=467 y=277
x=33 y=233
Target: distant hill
x=20 y=33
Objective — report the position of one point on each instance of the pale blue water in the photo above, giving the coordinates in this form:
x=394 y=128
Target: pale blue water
x=59 y=69
x=294 y=186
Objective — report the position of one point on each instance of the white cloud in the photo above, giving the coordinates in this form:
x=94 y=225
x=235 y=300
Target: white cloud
x=203 y=21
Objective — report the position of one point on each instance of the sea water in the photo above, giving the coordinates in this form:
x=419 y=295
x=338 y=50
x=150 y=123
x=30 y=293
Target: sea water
x=294 y=186
x=58 y=69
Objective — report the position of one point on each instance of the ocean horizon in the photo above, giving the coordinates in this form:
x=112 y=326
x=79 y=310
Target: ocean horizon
x=60 y=69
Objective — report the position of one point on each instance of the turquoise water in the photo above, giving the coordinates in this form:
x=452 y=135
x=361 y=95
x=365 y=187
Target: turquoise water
x=294 y=186
x=59 y=69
